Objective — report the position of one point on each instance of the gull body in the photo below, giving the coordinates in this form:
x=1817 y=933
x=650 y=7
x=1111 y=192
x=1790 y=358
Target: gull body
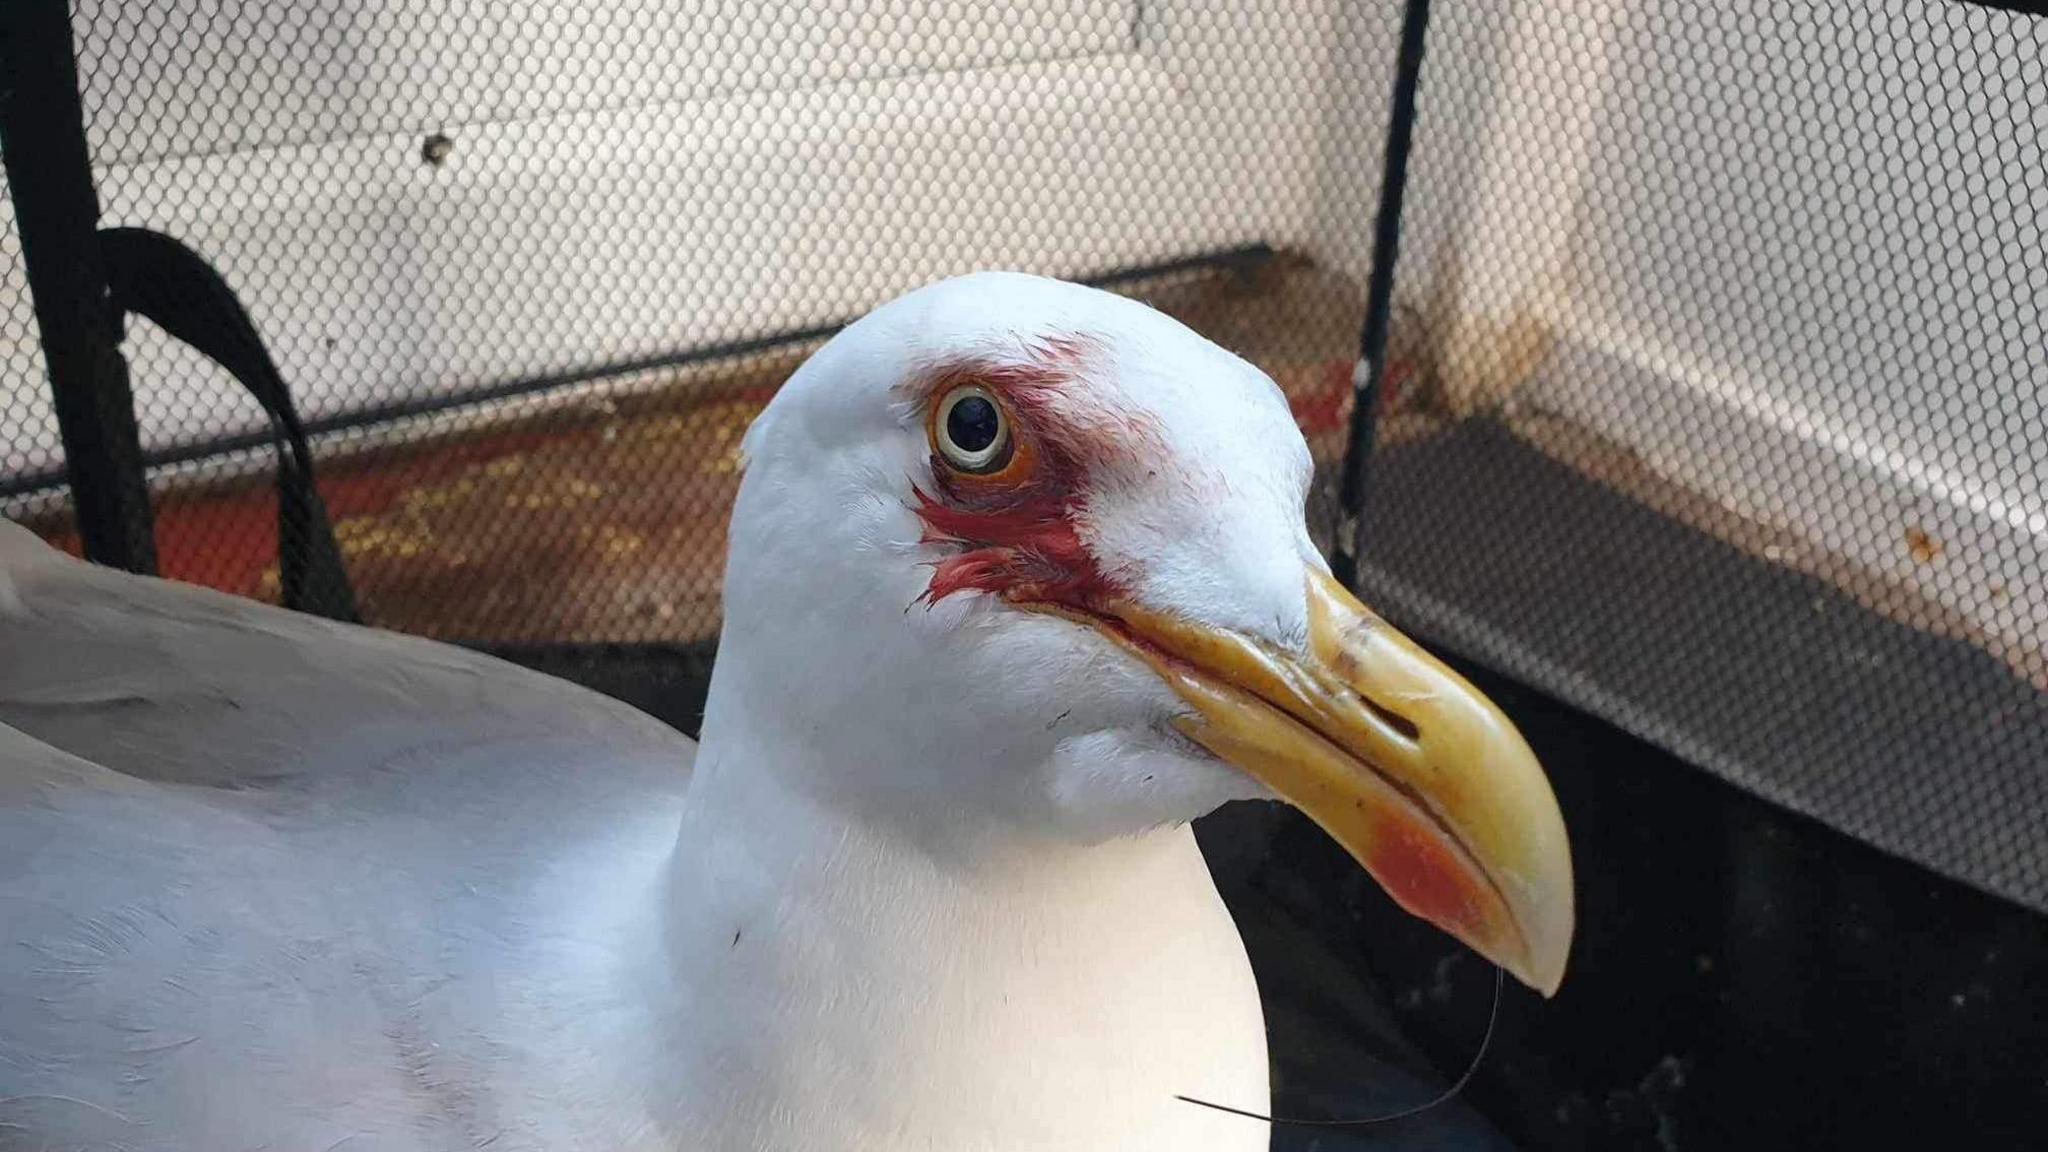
x=927 y=883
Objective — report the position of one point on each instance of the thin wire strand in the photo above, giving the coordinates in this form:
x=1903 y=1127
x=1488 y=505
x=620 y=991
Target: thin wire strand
x=1442 y=1098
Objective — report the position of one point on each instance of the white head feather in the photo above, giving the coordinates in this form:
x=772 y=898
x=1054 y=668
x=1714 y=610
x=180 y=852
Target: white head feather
x=1026 y=720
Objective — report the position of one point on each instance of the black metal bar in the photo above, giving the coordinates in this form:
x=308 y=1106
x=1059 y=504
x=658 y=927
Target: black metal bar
x=49 y=175
x=434 y=405
x=1379 y=297
x=2022 y=7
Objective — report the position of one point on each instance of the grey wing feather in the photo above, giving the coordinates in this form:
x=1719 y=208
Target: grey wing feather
x=169 y=682
x=262 y=876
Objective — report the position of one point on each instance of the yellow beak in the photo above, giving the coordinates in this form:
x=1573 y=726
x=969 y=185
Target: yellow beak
x=1401 y=760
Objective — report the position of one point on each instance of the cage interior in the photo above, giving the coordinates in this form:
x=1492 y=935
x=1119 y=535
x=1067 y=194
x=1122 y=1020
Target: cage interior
x=1714 y=401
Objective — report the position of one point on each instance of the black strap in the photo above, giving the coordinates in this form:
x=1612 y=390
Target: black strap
x=155 y=276
x=49 y=172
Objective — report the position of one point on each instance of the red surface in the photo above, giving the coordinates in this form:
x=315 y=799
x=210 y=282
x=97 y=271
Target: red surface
x=1433 y=878
x=607 y=524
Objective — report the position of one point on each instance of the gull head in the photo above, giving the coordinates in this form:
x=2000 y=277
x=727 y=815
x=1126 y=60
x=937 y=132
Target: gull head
x=1015 y=560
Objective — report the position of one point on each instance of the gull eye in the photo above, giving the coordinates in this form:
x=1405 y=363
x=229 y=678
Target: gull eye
x=971 y=431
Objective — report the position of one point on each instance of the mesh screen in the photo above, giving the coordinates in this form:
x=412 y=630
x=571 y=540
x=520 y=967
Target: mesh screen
x=1732 y=419
x=1714 y=403
x=533 y=267
x=29 y=448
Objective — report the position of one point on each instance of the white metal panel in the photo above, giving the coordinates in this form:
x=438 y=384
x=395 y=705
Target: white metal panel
x=699 y=203
x=186 y=77
x=1806 y=283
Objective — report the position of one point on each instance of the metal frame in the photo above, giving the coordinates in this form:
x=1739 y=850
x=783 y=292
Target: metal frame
x=49 y=175
x=1369 y=373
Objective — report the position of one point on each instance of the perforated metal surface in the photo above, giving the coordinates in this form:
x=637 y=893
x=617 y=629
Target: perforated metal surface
x=1734 y=419
x=30 y=443
x=579 y=212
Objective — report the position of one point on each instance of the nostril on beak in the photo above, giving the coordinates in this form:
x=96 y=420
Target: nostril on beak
x=1403 y=727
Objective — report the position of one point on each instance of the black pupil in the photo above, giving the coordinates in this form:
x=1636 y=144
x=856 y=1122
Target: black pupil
x=972 y=424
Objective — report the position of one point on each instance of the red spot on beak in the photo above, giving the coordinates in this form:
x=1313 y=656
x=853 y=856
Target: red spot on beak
x=1429 y=875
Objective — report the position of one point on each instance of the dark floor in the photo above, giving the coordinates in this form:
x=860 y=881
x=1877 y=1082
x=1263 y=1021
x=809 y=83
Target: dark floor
x=1743 y=978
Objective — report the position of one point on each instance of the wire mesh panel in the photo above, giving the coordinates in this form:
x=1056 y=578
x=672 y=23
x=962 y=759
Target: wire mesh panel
x=1733 y=416
x=530 y=269
x=29 y=446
